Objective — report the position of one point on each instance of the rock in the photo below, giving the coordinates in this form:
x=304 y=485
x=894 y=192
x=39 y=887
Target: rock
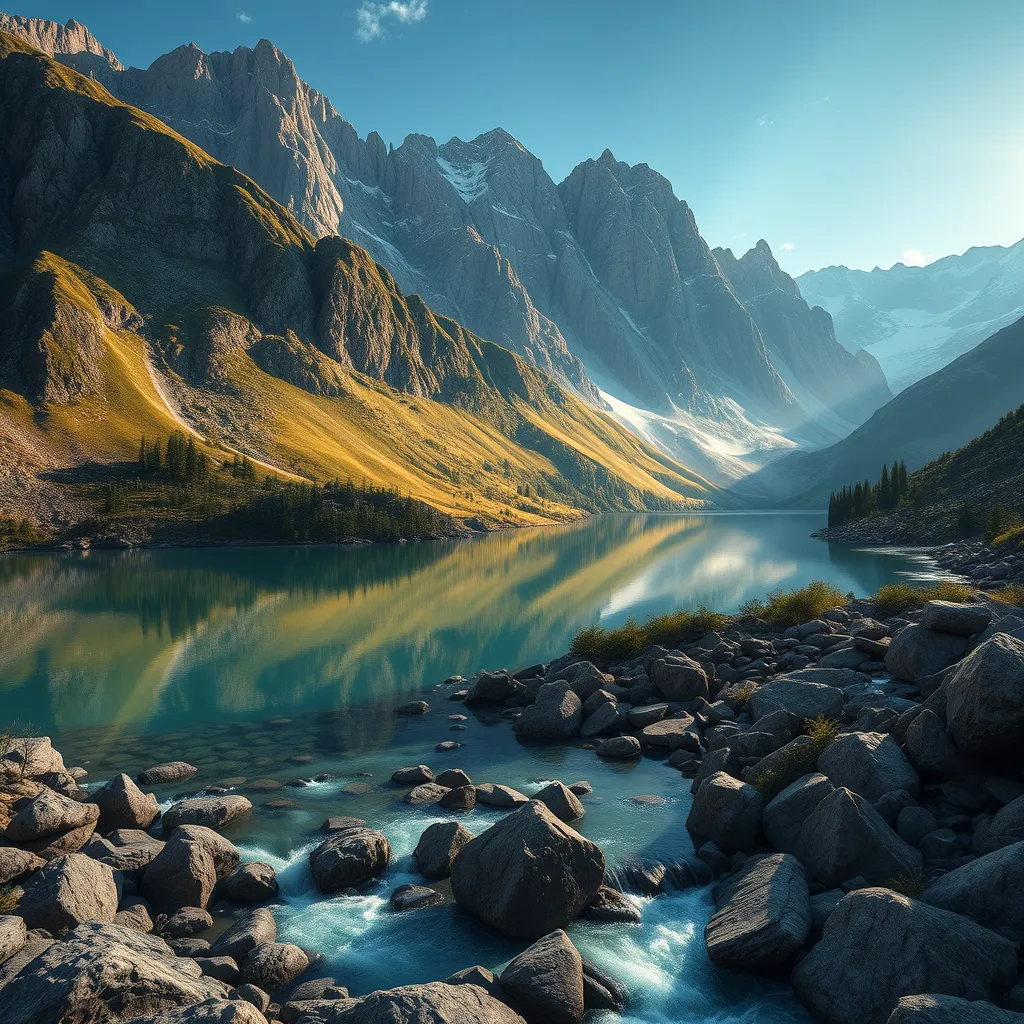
x=1005 y=828
x=13 y=935
x=586 y=679
x=611 y=905
x=173 y=771
x=15 y=864
x=557 y=713
x=930 y=1009
x=845 y=837
x=528 y=874
x=69 y=890
x=797 y=696
x=989 y=890
x=413 y=707
x=127 y=850
x=581 y=788
x=209 y=1011
x=414 y=775
x=462 y=798
x=916 y=652
x=847 y=657
x=494 y=688
x=31 y=757
x=184 y=923
x=600 y=992
x=183 y=874
x=647 y=715
x=902 y=947
x=272 y=965
x=785 y=815
x=224 y=853
x=123 y=805
x=453 y=778
x=254 y=882
x=415 y=897
x=319 y=988
x=728 y=812
x=189 y=946
x=609 y=717
x=562 y=803
x=249 y=930
x=252 y=994
x=340 y=822
x=479 y=976
x=213 y=812
x=914 y=823
x=438 y=847
x=868 y=763
x=349 y=858
x=959 y=619
x=595 y=700
x=546 y=980
x=222 y=968
x=678 y=733
x=763 y=918
x=931 y=751
x=678 y=677
x=822 y=905
x=499 y=796
x=135 y=913
x=436 y=1003
x=48 y=814
x=428 y=793
x=985 y=698
x=619 y=748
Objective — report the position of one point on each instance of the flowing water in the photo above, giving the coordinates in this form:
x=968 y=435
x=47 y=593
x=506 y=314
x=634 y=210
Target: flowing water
x=267 y=666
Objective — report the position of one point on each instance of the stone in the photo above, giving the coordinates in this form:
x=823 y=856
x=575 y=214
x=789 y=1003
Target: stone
x=453 y=778
x=435 y=1003
x=930 y=1009
x=611 y=905
x=868 y=763
x=209 y=1011
x=561 y=802
x=931 y=751
x=48 y=814
x=914 y=823
x=415 y=897
x=253 y=995
x=798 y=696
x=249 y=930
x=223 y=968
x=609 y=717
x=546 y=980
x=846 y=657
x=586 y=679
x=786 y=813
x=184 y=923
x=136 y=913
x=493 y=687
x=183 y=874
x=349 y=858
x=845 y=837
x=272 y=965
x=214 y=812
x=15 y=864
x=528 y=874
x=69 y=890
x=340 y=822
x=1005 y=828
x=601 y=992
x=224 y=853
x=189 y=946
x=646 y=715
x=727 y=812
x=959 y=619
x=413 y=707
x=13 y=935
x=619 y=748
x=128 y=850
x=581 y=788
x=428 y=793
x=822 y=905
x=160 y=774
x=916 y=652
x=499 y=796
x=462 y=798
x=678 y=677
x=414 y=775
x=123 y=805
x=763 y=918
x=903 y=947
x=556 y=714
x=438 y=847
x=678 y=733
x=985 y=698
x=254 y=882
x=318 y=988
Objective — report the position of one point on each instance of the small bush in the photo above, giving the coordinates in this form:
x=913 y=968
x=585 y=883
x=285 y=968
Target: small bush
x=10 y=897
x=1012 y=539
x=1012 y=593
x=600 y=644
x=911 y=885
x=894 y=598
x=796 y=606
x=799 y=760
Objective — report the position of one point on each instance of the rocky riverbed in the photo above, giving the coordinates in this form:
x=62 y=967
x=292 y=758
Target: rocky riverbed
x=858 y=800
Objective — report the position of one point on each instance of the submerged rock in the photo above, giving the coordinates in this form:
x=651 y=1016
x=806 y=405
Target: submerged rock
x=611 y=905
x=172 y=771
x=499 y=796
x=415 y=897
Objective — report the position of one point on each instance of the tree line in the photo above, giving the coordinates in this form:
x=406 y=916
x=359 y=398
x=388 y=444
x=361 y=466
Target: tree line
x=863 y=498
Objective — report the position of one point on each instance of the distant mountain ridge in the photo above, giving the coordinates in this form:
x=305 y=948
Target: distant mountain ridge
x=603 y=277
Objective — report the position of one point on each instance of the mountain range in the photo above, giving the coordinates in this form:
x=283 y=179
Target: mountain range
x=602 y=280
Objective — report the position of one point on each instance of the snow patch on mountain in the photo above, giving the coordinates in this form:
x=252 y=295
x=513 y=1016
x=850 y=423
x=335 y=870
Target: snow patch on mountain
x=469 y=180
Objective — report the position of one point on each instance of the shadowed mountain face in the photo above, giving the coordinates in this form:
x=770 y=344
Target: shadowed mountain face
x=604 y=276
x=150 y=285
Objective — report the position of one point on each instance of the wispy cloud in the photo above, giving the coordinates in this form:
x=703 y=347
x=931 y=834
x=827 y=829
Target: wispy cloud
x=372 y=18
x=243 y=17
x=787 y=247
x=764 y=120
x=917 y=258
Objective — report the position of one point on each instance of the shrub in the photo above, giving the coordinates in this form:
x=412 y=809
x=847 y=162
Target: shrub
x=894 y=598
x=796 y=606
x=799 y=760
x=1012 y=593
x=911 y=885
x=10 y=897
x=1012 y=539
x=597 y=643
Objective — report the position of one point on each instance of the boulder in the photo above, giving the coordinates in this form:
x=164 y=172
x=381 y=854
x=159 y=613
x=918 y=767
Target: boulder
x=608 y=717
x=985 y=698
x=184 y=923
x=561 y=802
x=413 y=707
x=48 y=814
x=916 y=652
x=272 y=965
x=797 y=696
x=845 y=837
x=931 y=751
x=415 y=897
x=678 y=677
x=677 y=733
x=763 y=916
x=31 y=757
x=499 y=796
x=989 y=890
x=136 y=913
x=546 y=981
x=438 y=847
x=1005 y=828
x=585 y=679
x=435 y=1003
x=868 y=763
x=914 y=823
x=349 y=858
x=600 y=991
x=13 y=934
x=214 y=812
x=254 y=882
x=528 y=874
x=15 y=864
x=172 y=771
x=454 y=778
x=595 y=700
x=414 y=775
x=959 y=619
x=646 y=715
x=224 y=853
x=461 y=798
x=68 y=891
x=494 y=688
x=619 y=748
x=209 y=1011
x=123 y=805
x=929 y=1009
x=183 y=874
x=223 y=968
x=252 y=994
x=902 y=947
x=248 y=931
x=428 y=793
x=785 y=815
x=727 y=812
x=557 y=713
x=611 y=905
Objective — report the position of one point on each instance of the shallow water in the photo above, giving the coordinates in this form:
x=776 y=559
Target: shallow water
x=266 y=666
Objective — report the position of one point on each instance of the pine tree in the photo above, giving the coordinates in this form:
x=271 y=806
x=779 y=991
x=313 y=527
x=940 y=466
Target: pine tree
x=142 y=454
x=903 y=477
x=884 y=495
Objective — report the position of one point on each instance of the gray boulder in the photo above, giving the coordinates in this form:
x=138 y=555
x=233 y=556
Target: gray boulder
x=678 y=677
x=546 y=980
x=929 y=1009
x=185 y=923
x=916 y=652
x=499 y=796
x=763 y=916
x=414 y=775
x=611 y=905
x=528 y=874
x=785 y=815
x=349 y=858
x=254 y=882
x=436 y=1003
x=209 y=1011
x=494 y=688
x=172 y=771
x=902 y=947
x=214 y=812
x=561 y=802
x=1005 y=828
x=183 y=874
x=985 y=698
x=646 y=715
x=931 y=751
x=273 y=965
x=914 y=823
x=428 y=793
x=123 y=805
x=15 y=864
x=609 y=717
x=438 y=847
x=676 y=733
x=248 y=931
x=454 y=778
x=13 y=935
x=415 y=897
x=68 y=891
x=48 y=814
x=557 y=713
x=959 y=619
x=619 y=748
x=869 y=763
x=727 y=812
x=798 y=696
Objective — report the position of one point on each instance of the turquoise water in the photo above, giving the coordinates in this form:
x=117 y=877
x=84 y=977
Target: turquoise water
x=264 y=666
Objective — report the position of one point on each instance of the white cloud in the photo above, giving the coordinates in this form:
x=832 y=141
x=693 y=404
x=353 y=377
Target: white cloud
x=917 y=258
x=764 y=121
x=372 y=17
x=787 y=247
x=243 y=17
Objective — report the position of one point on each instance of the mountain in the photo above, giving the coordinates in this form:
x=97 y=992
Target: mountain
x=603 y=278
x=938 y=414
x=915 y=320
x=151 y=288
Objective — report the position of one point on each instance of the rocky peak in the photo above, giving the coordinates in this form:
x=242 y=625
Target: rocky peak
x=756 y=272
x=56 y=40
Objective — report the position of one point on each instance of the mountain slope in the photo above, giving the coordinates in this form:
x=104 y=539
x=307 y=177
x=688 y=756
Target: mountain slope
x=915 y=320
x=148 y=284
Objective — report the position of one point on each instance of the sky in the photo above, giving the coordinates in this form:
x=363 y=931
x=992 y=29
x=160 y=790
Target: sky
x=842 y=131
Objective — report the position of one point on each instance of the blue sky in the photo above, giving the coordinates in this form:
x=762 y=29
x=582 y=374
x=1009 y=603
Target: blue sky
x=842 y=132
